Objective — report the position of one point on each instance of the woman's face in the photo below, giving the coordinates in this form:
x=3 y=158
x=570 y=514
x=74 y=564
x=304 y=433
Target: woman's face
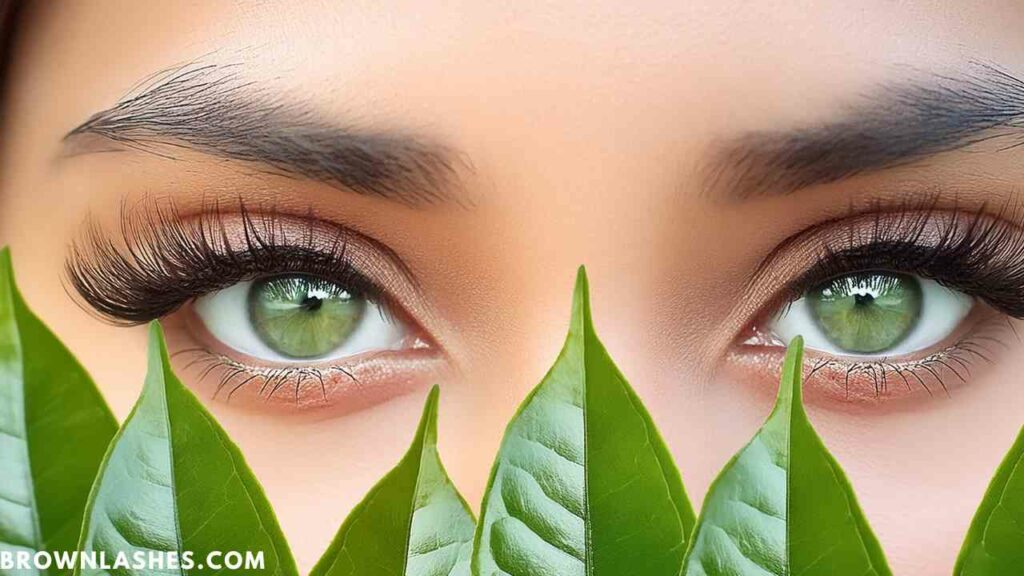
x=337 y=204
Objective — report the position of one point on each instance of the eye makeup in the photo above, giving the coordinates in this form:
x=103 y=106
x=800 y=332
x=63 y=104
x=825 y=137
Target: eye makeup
x=166 y=265
x=976 y=255
x=160 y=259
x=845 y=382
x=331 y=388
x=227 y=285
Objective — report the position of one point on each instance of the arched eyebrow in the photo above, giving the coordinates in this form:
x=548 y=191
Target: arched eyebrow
x=895 y=126
x=213 y=110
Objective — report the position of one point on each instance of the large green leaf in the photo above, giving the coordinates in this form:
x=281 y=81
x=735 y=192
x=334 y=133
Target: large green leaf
x=54 y=430
x=412 y=523
x=173 y=481
x=583 y=483
x=995 y=541
x=782 y=506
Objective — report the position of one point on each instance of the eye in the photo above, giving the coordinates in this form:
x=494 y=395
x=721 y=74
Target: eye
x=293 y=318
x=873 y=314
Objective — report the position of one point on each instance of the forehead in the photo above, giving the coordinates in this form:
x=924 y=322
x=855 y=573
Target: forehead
x=591 y=73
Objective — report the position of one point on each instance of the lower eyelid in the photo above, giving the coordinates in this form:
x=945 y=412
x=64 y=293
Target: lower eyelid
x=334 y=390
x=327 y=389
x=852 y=384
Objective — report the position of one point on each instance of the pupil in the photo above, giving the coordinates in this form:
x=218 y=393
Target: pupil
x=863 y=300
x=312 y=303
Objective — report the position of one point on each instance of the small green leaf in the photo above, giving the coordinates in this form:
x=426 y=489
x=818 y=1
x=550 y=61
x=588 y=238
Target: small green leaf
x=412 y=523
x=995 y=541
x=54 y=430
x=782 y=506
x=583 y=483
x=173 y=481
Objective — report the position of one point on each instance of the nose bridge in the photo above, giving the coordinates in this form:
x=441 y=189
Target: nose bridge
x=655 y=249
x=635 y=223
x=590 y=204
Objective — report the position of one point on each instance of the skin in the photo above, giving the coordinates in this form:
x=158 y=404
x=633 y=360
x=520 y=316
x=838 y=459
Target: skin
x=584 y=127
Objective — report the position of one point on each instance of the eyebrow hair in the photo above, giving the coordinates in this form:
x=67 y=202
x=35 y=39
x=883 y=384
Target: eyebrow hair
x=895 y=126
x=211 y=109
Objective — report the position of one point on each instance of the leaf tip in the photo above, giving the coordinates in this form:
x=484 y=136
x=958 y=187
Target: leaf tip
x=6 y=266
x=790 y=390
x=428 y=422
x=432 y=398
x=581 y=299
x=159 y=361
x=796 y=346
x=156 y=336
x=8 y=289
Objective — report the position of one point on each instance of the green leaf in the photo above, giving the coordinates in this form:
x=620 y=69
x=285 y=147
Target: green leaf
x=54 y=430
x=583 y=483
x=995 y=541
x=782 y=505
x=173 y=481
x=412 y=523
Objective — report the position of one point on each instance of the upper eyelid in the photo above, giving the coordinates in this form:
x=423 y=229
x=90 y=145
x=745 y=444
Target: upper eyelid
x=165 y=258
x=987 y=244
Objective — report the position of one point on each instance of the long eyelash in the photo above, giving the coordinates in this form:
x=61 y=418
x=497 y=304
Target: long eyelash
x=167 y=260
x=980 y=255
x=269 y=381
x=955 y=361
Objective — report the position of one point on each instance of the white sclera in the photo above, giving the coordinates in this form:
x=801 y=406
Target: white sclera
x=942 y=310
x=225 y=314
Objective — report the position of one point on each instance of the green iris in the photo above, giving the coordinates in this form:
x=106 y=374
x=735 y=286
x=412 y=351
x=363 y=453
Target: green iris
x=303 y=317
x=868 y=312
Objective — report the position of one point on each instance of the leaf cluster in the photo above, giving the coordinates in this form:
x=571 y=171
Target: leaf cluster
x=582 y=484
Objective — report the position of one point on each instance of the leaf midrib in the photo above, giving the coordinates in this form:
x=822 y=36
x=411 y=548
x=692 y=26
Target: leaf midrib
x=412 y=505
x=170 y=454
x=795 y=409
x=787 y=566
x=584 y=321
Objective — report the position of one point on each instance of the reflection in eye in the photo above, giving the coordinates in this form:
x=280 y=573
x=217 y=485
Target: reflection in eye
x=874 y=314
x=296 y=317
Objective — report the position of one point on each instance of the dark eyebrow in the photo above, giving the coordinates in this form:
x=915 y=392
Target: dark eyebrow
x=212 y=109
x=894 y=126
